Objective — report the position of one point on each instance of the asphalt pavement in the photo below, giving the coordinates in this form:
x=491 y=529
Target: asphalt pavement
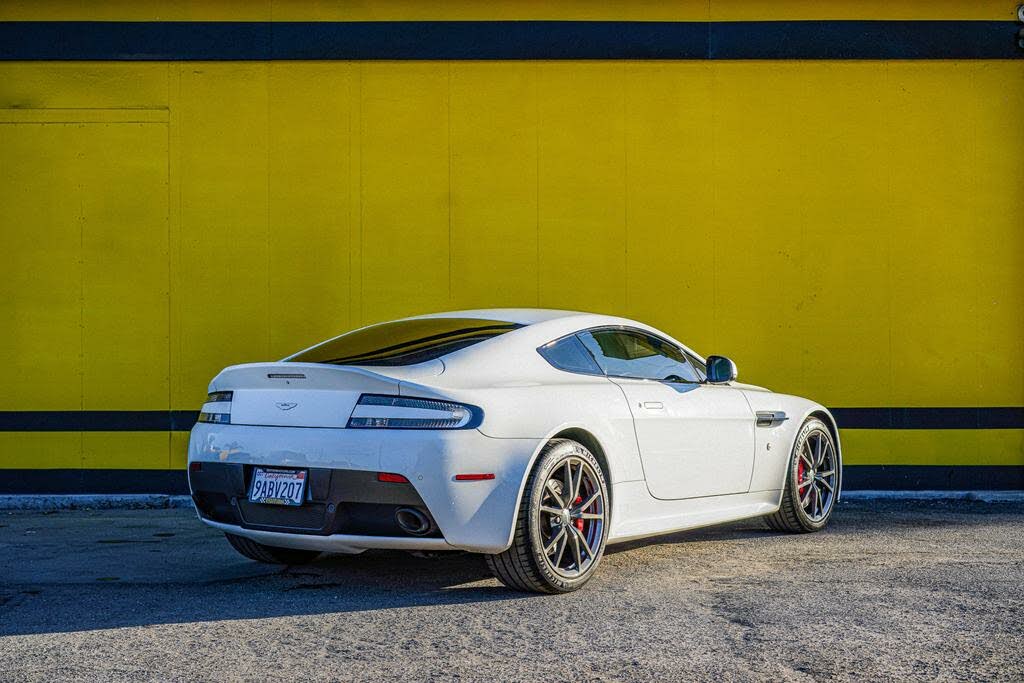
x=925 y=590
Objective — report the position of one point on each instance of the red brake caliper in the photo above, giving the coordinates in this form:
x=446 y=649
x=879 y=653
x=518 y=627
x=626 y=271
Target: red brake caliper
x=578 y=522
x=800 y=476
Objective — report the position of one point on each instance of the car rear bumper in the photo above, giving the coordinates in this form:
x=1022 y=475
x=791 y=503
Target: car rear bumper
x=351 y=502
x=334 y=543
x=471 y=515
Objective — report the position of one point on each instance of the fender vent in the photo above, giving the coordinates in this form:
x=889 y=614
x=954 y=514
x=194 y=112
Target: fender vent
x=770 y=418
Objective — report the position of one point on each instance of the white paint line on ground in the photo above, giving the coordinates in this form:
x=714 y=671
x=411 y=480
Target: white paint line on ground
x=982 y=496
x=135 y=501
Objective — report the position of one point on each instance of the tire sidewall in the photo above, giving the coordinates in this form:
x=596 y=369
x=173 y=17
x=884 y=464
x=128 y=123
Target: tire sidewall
x=810 y=426
x=551 y=460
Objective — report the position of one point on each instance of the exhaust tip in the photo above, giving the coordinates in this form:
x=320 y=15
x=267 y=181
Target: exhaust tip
x=413 y=521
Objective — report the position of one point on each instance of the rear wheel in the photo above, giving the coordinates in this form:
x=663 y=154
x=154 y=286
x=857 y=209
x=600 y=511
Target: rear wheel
x=811 y=482
x=561 y=527
x=270 y=554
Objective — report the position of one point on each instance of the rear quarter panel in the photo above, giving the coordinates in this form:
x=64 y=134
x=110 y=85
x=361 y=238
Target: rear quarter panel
x=524 y=397
x=540 y=411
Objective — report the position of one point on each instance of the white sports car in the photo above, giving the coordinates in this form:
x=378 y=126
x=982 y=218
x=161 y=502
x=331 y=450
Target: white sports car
x=535 y=437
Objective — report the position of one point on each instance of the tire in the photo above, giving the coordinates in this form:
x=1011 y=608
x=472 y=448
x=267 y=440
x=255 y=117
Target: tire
x=270 y=554
x=812 y=482
x=547 y=519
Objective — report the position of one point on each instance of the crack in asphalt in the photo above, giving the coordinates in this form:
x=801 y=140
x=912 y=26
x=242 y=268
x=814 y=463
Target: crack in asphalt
x=875 y=597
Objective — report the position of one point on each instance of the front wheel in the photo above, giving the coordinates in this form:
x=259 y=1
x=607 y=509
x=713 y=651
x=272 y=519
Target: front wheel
x=812 y=482
x=562 y=523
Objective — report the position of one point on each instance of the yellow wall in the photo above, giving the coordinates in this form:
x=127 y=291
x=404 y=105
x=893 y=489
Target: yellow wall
x=501 y=10
x=849 y=231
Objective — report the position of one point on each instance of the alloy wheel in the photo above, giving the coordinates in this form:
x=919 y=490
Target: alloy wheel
x=816 y=475
x=572 y=517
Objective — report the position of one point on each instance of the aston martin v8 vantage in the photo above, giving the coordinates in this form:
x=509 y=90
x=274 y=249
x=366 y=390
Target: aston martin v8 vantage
x=534 y=437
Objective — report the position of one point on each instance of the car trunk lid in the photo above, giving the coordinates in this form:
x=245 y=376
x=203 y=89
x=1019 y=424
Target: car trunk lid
x=298 y=394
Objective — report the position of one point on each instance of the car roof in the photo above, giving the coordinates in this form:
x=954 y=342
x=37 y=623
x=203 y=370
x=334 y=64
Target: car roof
x=538 y=323
x=519 y=316
x=473 y=365
x=542 y=325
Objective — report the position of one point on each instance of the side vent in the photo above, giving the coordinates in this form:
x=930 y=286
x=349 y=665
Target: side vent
x=770 y=418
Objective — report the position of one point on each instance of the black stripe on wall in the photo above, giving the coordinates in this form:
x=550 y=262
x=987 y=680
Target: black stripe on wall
x=64 y=482
x=183 y=420
x=933 y=477
x=456 y=40
x=855 y=477
x=930 y=418
x=97 y=420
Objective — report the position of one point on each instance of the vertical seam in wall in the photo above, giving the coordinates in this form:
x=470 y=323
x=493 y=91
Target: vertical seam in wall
x=181 y=195
x=81 y=304
x=348 y=206
x=798 y=255
x=536 y=177
x=362 y=135
x=451 y=201
x=976 y=178
x=356 y=213
x=625 y=191
x=887 y=92
x=268 y=314
x=714 y=203
x=167 y=129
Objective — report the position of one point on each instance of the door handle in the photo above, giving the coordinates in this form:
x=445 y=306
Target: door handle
x=653 y=405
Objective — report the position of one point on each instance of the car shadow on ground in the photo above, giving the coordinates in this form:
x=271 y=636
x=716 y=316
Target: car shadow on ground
x=731 y=532
x=163 y=569
x=215 y=584
x=239 y=589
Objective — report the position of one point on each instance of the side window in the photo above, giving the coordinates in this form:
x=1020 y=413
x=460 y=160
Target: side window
x=629 y=353
x=570 y=355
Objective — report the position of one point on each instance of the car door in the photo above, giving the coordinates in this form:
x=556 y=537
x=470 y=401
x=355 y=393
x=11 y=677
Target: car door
x=695 y=439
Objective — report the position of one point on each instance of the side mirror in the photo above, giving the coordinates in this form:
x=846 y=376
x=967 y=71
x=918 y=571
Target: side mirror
x=720 y=369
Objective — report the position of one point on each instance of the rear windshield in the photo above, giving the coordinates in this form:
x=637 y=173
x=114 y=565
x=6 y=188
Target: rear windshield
x=405 y=342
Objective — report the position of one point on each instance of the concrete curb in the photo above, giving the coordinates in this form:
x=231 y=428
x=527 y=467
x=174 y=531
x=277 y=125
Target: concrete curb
x=973 y=496
x=135 y=501
x=155 y=501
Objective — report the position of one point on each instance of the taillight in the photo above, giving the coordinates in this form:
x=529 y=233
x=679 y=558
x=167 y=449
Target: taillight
x=399 y=412
x=217 y=409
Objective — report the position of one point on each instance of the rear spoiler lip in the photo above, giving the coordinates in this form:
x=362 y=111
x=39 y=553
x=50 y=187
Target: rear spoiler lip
x=278 y=370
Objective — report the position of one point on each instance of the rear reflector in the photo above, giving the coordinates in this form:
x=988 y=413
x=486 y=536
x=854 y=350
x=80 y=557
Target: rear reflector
x=390 y=478
x=474 y=477
x=195 y=466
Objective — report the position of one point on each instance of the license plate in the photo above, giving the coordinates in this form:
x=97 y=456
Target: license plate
x=278 y=487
